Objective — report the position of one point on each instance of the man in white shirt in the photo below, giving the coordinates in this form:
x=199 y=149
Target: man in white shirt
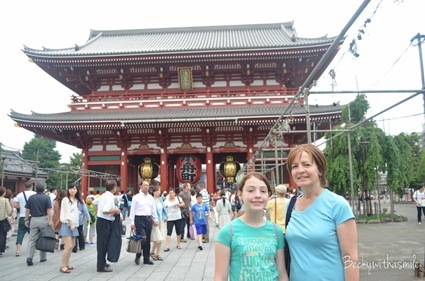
x=142 y=216
x=20 y=202
x=52 y=194
x=106 y=209
x=419 y=198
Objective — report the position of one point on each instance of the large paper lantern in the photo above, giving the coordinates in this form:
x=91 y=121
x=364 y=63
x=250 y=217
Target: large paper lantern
x=148 y=170
x=188 y=169
x=229 y=169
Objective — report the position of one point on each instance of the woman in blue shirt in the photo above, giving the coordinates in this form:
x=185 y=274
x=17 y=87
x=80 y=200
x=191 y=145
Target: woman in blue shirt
x=322 y=233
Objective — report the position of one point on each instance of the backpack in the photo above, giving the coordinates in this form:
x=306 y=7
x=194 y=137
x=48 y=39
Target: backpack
x=237 y=204
x=92 y=218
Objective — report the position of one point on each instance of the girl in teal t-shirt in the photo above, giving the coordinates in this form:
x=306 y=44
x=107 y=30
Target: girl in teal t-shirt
x=250 y=247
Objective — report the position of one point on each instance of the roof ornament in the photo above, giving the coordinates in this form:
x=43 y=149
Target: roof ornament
x=77 y=47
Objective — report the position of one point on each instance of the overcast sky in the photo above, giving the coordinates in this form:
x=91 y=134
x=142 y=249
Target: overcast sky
x=387 y=60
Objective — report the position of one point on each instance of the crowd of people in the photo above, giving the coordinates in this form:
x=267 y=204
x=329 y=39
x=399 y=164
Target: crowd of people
x=274 y=228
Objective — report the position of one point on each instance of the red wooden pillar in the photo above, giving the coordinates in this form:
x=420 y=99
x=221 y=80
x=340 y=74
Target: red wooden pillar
x=85 y=167
x=210 y=170
x=249 y=154
x=124 y=170
x=164 y=169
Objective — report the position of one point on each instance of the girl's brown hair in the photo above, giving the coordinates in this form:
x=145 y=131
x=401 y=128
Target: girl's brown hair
x=257 y=175
x=315 y=154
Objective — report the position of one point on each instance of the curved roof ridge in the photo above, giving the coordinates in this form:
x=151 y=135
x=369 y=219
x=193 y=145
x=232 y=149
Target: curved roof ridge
x=75 y=48
x=189 y=29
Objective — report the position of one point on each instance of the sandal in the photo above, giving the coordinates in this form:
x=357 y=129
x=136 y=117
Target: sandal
x=70 y=267
x=166 y=249
x=17 y=254
x=178 y=247
x=154 y=258
x=152 y=255
x=158 y=258
x=64 y=270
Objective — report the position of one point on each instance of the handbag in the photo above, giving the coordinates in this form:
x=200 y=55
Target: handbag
x=192 y=231
x=134 y=243
x=184 y=212
x=6 y=225
x=47 y=240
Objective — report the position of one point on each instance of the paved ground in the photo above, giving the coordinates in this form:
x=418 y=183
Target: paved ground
x=387 y=251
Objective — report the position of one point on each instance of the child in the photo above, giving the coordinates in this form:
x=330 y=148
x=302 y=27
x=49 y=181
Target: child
x=198 y=215
x=90 y=226
x=250 y=247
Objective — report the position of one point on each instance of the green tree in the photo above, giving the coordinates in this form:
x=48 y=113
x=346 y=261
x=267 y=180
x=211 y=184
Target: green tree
x=414 y=141
x=43 y=152
x=71 y=171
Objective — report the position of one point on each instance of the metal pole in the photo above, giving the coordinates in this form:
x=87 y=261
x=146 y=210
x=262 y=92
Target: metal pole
x=276 y=160
x=309 y=81
x=351 y=165
x=36 y=168
x=419 y=37
x=307 y=118
x=2 y=170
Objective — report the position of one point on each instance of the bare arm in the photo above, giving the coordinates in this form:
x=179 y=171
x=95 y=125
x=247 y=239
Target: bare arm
x=347 y=236
x=222 y=261
x=280 y=263
x=27 y=214
x=50 y=215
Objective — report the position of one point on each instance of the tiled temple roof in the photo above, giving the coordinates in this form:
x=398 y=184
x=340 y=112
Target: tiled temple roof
x=187 y=39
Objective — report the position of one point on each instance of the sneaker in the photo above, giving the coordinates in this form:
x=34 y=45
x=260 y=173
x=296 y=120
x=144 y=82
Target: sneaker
x=200 y=248
x=419 y=222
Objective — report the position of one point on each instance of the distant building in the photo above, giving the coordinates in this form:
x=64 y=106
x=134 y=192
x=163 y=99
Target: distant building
x=146 y=99
x=16 y=171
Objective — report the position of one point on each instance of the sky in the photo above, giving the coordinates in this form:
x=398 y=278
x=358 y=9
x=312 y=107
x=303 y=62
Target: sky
x=387 y=60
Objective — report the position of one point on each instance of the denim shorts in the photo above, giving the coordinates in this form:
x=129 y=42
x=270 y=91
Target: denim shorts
x=65 y=230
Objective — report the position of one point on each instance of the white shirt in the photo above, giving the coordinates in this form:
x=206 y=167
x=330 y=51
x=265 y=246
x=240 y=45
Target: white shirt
x=173 y=210
x=52 y=199
x=22 y=202
x=143 y=205
x=69 y=211
x=419 y=196
x=105 y=203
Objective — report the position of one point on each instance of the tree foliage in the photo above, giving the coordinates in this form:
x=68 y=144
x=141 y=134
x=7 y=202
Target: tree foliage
x=373 y=153
x=43 y=152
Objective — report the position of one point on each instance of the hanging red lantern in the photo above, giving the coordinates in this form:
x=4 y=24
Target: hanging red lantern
x=148 y=170
x=188 y=169
x=229 y=169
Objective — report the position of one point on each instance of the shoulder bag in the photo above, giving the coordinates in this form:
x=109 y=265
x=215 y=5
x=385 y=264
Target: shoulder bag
x=184 y=212
x=5 y=223
x=134 y=243
x=286 y=248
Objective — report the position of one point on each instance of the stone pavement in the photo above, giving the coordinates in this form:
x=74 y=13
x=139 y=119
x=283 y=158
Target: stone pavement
x=387 y=252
